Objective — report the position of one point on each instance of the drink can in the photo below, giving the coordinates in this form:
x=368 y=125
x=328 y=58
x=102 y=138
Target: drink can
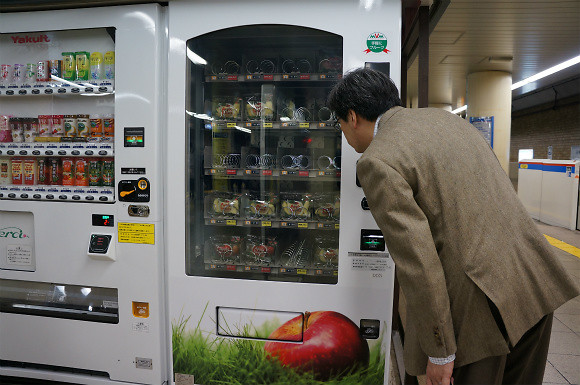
x=68 y=172
x=43 y=71
x=56 y=68
x=30 y=77
x=44 y=125
x=69 y=66
x=43 y=171
x=5 y=171
x=16 y=126
x=57 y=125
x=5 y=74
x=108 y=175
x=95 y=172
x=83 y=65
x=109 y=65
x=70 y=125
x=17 y=170
x=97 y=66
x=109 y=125
x=83 y=125
x=18 y=72
x=96 y=126
x=55 y=171
x=81 y=172
x=29 y=171
x=30 y=133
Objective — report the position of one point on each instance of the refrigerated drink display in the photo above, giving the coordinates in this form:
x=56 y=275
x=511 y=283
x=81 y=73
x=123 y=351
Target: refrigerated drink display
x=264 y=154
x=47 y=119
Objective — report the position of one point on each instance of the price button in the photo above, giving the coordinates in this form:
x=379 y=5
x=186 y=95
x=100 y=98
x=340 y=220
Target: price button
x=266 y=224
x=231 y=222
x=302 y=225
x=301 y=271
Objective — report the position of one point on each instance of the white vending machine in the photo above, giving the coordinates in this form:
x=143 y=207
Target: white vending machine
x=277 y=273
x=81 y=196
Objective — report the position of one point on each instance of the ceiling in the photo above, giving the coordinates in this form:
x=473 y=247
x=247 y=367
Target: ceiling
x=537 y=34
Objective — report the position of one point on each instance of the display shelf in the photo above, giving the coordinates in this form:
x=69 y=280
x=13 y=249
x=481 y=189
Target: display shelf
x=84 y=149
x=274 y=223
x=278 y=77
x=277 y=270
x=270 y=125
x=58 y=193
x=101 y=88
x=274 y=173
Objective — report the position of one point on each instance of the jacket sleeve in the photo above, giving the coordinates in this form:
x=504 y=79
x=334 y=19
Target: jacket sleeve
x=410 y=243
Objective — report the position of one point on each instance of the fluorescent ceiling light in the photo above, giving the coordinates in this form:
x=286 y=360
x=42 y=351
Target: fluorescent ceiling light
x=549 y=71
x=533 y=78
x=195 y=58
x=460 y=109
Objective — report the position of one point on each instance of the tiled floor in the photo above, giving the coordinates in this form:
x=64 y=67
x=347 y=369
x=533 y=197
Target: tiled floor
x=563 y=366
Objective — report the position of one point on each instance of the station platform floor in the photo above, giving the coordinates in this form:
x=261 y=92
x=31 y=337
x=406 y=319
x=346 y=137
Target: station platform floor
x=563 y=364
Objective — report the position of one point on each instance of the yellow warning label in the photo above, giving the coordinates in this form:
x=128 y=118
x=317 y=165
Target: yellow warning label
x=136 y=233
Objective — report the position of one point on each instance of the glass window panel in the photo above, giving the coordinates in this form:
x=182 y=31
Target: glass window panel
x=264 y=156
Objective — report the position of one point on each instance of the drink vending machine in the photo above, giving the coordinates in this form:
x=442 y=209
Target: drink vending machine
x=81 y=198
x=277 y=273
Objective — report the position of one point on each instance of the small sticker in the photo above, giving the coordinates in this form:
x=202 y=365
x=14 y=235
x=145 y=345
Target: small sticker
x=19 y=255
x=143 y=233
x=141 y=327
x=143 y=363
x=377 y=42
x=184 y=379
x=141 y=309
x=373 y=262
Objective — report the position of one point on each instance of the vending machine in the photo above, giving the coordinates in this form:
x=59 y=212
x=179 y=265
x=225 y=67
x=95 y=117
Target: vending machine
x=277 y=273
x=81 y=198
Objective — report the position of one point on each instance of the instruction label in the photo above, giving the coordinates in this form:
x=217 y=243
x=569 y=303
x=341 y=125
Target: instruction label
x=19 y=255
x=369 y=261
x=143 y=233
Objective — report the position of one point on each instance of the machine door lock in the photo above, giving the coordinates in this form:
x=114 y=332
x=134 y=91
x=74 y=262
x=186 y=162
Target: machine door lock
x=364 y=204
x=138 y=211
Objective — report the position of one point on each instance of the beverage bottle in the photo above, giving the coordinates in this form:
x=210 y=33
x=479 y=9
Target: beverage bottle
x=43 y=171
x=55 y=171
x=68 y=172
x=109 y=65
x=108 y=172
x=29 y=171
x=5 y=171
x=83 y=65
x=17 y=170
x=97 y=66
x=69 y=66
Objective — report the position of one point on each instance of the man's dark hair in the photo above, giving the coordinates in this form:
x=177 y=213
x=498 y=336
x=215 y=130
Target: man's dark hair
x=367 y=92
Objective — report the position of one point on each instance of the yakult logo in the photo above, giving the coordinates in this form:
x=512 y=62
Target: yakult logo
x=30 y=39
x=12 y=233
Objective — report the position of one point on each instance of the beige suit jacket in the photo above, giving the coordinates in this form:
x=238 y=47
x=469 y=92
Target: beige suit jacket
x=457 y=233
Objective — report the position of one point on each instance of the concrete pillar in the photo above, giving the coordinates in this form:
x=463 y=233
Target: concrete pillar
x=489 y=94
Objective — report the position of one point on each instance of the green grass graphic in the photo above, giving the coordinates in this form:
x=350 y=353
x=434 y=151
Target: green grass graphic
x=234 y=361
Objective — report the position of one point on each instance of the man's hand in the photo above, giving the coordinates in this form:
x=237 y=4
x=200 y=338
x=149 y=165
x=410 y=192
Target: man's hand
x=439 y=374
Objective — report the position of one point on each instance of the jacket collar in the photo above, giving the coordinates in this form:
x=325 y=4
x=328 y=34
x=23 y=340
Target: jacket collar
x=388 y=115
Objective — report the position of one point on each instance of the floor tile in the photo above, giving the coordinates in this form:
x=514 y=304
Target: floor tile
x=564 y=343
x=559 y=326
x=570 y=307
x=567 y=365
x=572 y=321
x=552 y=376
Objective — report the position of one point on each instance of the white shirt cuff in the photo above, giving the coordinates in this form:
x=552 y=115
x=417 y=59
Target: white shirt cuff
x=442 y=361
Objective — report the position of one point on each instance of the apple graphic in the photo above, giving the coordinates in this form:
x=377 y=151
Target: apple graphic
x=331 y=344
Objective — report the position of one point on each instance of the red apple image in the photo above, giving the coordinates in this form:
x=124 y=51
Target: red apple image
x=331 y=344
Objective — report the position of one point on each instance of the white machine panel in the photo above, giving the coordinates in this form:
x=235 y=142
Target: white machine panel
x=267 y=263
x=559 y=204
x=81 y=213
x=530 y=185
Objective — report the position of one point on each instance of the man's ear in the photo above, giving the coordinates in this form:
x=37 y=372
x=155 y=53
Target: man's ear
x=352 y=117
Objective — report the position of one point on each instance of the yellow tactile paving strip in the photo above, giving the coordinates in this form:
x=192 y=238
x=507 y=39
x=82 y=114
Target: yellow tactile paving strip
x=563 y=246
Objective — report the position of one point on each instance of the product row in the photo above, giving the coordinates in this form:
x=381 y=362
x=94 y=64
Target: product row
x=311 y=252
x=94 y=172
x=280 y=161
x=291 y=206
x=52 y=128
x=72 y=66
x=276 y=64
x=268 y=108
